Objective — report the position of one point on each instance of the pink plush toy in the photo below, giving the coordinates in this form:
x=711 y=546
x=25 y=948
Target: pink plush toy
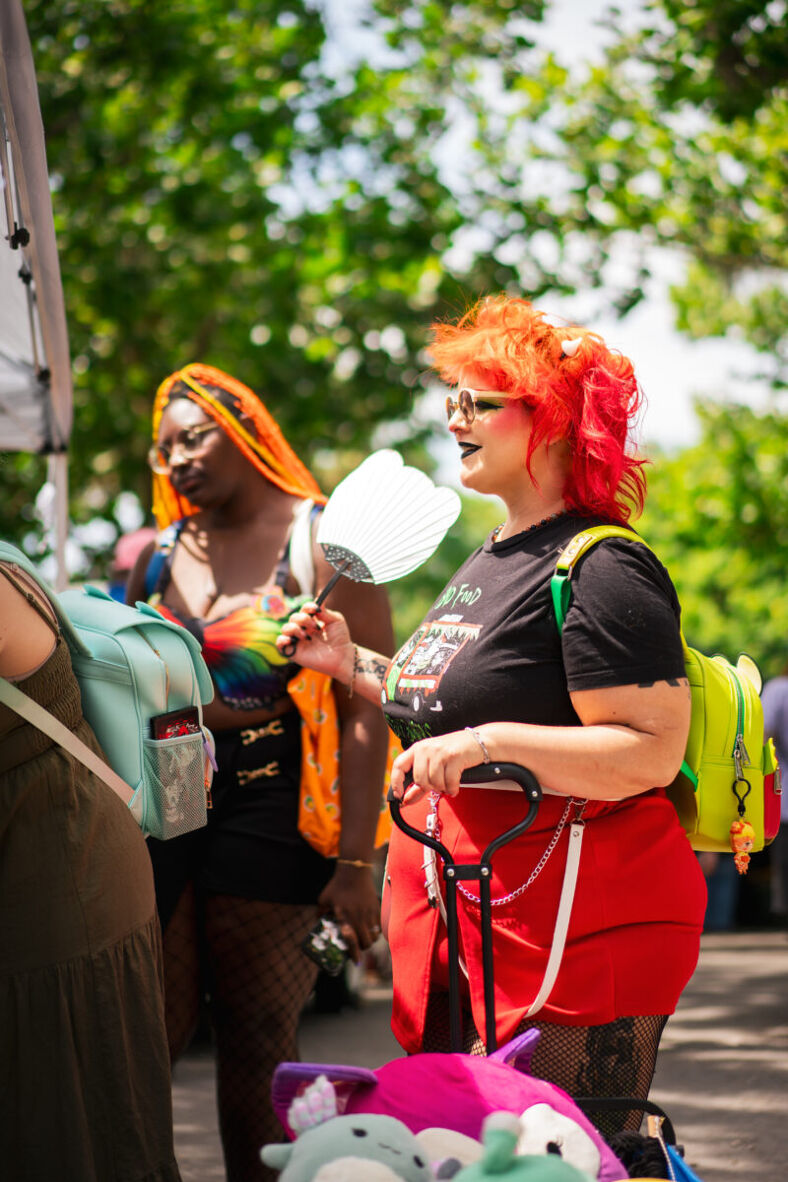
x=456 y=1091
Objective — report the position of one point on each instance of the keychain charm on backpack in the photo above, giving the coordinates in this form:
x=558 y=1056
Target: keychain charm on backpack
x=742 y=841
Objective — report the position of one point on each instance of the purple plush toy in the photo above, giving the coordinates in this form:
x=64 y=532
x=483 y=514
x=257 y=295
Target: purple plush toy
x=456 y=1091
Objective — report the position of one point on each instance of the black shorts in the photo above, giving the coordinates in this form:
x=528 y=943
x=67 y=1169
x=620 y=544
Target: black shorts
x=251 y=846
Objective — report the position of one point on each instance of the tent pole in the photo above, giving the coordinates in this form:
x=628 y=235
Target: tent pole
x=57 y=475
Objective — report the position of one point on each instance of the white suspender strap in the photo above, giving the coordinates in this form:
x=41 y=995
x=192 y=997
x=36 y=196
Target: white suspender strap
x=568 y=886
x=33 y=713
x=562 y=919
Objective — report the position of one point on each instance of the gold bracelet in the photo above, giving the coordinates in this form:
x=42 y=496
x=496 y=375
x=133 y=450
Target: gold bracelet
x=361 y=865
x=481 y=743
x=352 y=685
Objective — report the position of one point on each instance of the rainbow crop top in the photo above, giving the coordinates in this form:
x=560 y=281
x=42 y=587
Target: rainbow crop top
x=239 y=649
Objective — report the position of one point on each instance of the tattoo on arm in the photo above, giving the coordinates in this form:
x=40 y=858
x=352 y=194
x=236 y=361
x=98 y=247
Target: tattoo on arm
x=371 y=665
x=676 y=682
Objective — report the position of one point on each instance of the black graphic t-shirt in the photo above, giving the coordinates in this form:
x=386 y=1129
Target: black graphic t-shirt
x=489 y=649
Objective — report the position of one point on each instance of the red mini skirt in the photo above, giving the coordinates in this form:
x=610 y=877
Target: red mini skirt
x=635 y=927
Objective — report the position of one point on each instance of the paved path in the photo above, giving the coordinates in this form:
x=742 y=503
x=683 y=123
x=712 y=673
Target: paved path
x=722 y=1072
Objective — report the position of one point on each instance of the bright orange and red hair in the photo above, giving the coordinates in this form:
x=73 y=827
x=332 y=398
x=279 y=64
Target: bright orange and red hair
x=264 y=446
x=589 y=399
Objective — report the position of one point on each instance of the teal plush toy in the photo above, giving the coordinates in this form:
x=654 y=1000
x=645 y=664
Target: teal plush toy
x=500 y=1134
x=366 y=1147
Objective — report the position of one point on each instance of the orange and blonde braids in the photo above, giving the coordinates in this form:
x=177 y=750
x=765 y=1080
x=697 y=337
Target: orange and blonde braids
x=269 y=452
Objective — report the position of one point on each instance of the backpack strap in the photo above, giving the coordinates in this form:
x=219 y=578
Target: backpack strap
x=25 y=706
x=561 y=587
x=297 y=555
x=158 y=570
x=24 y=590
x=22 y=704
x=20 y=564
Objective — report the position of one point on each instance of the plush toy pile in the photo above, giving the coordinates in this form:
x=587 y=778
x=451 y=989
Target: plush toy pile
x=444 y=1099
x=346 y=1148
x=542 y=1144
x=372 y=1147
x=429 y=1117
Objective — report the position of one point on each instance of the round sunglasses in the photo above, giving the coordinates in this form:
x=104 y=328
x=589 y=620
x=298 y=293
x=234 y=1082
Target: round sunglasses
x=470 y=403
x=189 y=443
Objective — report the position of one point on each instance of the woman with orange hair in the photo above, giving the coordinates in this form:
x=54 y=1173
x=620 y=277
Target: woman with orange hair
x=236 y=900
x=598 y=711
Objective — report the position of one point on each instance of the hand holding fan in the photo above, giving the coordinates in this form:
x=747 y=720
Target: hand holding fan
x=382 y=521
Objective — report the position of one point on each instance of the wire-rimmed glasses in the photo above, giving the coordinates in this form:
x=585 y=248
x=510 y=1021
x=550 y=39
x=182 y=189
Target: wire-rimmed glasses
x=189 y=443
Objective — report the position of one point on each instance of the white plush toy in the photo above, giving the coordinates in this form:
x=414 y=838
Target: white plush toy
x=541 y=1126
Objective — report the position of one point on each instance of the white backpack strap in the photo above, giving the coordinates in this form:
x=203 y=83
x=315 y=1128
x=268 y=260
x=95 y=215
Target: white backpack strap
x=561 y=919
x=35 y=714
x=568 y=887
x=302 y=561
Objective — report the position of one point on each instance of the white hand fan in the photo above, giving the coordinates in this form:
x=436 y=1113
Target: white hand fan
x=383 y=520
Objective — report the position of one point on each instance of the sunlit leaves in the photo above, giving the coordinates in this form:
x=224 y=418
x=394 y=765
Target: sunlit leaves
x=216 y=188
x=718 y=516
x=681 y=135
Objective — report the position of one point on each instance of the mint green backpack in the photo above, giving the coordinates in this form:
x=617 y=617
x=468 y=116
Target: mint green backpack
x=729 y=773
x=132 y=665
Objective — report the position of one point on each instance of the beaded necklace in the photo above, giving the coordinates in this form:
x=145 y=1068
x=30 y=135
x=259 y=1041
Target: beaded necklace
x=530 y=528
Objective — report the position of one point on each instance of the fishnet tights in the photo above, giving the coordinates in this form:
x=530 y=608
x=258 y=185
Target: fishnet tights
x=183 y=984
x=259 y=983
x=614 y=1059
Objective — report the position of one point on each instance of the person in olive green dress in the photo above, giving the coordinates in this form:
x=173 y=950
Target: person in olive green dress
x=84 y=1070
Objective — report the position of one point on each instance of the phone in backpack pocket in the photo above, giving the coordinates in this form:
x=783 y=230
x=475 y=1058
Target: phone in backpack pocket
x=175 y=723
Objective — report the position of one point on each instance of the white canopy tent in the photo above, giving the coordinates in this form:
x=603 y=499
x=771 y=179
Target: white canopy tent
x=35 y=366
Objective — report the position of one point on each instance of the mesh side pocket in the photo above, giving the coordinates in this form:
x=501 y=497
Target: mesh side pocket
x=174 y=786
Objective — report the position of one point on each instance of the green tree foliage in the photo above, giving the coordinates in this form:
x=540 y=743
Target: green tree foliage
x=680 y=140
x=222 y=193
x=729 y=57
x=677 y=139
x=717 y=514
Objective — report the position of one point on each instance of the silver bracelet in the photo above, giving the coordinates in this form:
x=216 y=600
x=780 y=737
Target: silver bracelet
x=481 y=743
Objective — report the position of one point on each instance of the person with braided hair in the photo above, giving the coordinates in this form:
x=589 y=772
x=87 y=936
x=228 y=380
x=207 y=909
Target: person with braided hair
x=237 y=508
x=599 y=711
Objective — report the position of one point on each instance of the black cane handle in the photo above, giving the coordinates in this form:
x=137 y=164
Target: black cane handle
x=483 y=773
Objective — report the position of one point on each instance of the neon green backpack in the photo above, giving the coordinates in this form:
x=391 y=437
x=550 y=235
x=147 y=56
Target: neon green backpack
x=729 y=774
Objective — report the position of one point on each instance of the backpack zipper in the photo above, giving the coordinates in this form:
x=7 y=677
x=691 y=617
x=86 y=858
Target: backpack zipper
x=740 y=753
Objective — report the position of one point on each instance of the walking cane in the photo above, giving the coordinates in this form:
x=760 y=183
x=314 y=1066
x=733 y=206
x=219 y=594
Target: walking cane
x=481 y=872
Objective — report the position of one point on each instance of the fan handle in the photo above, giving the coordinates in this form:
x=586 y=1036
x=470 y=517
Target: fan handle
x=290 y=647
